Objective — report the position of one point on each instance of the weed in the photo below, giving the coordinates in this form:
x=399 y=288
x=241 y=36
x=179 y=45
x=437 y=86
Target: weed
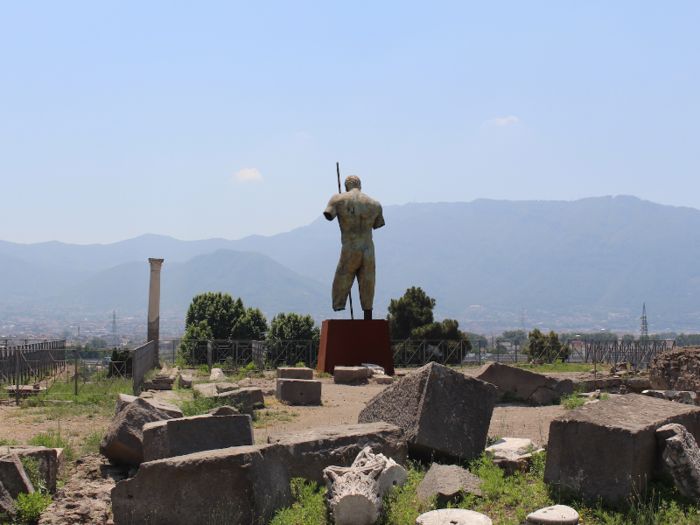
x=7 y=442
x=91 y=443
x=204 y=370
x=309 y=506
x=31 y=467
x=251 y=367
x=30 y=506
x=268 y=417
x=572 y=401
x=300 y=364
x=324 y=374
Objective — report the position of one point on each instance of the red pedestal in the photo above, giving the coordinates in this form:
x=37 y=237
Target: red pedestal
x=346 y=342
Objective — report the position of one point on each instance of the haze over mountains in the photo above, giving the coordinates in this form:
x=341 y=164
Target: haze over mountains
x=580 y=265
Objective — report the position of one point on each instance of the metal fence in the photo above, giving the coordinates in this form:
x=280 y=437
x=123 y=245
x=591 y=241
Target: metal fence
x=235 y=355
x=50 y=369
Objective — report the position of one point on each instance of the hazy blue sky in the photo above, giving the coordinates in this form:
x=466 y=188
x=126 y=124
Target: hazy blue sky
x=224 y=119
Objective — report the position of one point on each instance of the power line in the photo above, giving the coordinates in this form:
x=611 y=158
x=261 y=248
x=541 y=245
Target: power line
x=645 y=325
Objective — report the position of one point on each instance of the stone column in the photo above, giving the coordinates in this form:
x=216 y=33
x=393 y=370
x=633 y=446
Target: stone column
x=154 y=303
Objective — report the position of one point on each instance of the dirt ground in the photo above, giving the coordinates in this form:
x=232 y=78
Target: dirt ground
x=341 y=405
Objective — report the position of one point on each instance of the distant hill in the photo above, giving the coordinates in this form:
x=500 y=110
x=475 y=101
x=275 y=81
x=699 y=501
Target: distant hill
x=259 y=280
x=584 y=263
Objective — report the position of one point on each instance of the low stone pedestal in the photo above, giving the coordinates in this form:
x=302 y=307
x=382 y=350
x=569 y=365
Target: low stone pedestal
x=298 y=391
x=344 y=375
x=353 y=342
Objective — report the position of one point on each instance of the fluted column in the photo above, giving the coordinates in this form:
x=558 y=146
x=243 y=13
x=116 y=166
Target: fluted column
x=154 y=303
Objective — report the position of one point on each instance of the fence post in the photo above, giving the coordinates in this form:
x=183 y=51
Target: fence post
x=75 y=356
x=16 y=376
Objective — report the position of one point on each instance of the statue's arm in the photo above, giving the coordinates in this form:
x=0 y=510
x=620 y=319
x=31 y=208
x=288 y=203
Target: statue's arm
x=379 y=220
x=330 y=212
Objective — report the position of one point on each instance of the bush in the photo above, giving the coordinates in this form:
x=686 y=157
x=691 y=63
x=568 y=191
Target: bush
x=30 y=506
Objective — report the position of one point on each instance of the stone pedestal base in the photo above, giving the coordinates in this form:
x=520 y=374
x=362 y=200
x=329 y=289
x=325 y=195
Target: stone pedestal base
x=346 y=342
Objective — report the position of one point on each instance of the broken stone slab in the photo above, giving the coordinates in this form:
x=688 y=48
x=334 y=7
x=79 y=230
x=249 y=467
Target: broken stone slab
x=222 y=388
x=224 y=411
x=206 y=389
x=217 y=375
x=123 y=440
x=676 y=369
x=682 y=457
x=7 y=504
x=679 y=396
x=453 y=517
x=544 y=396
x=382 y=379
x=294 y=373
x=185 y=381
x=513 y=454
x=448 y=482
x=245 y=400
x=311 y=451
x=123 y=400
x=441 y=411
x=345 y=375
x=555 y=515
x=49 y=460
x=187 y=435
x=620 y=434
x=298 y=391
x=13 y=476
x=230 y=485
x=512 y=380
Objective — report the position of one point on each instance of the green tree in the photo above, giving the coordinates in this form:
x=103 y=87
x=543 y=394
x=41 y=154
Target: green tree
x=293 y=326
x=476 y=339
x=512 y=336
x=251 y=326
x=628 y=337
x=193 y=349
x=413 y=310
x=447 y=329
x=547 y=347
x=688 y=340
x=218 y=309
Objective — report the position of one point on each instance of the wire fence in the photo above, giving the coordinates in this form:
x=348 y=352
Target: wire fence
x=51 y=370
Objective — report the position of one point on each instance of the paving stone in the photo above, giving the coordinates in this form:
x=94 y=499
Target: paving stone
x=298 y=391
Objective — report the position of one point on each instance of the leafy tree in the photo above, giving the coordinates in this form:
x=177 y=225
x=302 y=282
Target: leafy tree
x=512 y=336
x=97 y=342
x=476 y=339
x=219 y=310
x=251 y=326
x=688 y=340
x=413 y=310
x=293 y=326
x=547 y=347
x=628 y=337
x=598 y=337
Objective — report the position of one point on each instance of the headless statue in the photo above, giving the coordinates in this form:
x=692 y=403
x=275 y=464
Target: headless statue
x=358 y=215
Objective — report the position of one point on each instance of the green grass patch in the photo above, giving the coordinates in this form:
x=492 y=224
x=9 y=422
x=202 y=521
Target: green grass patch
x=54 y=439
x=324 y=374
x=267 y=417
x=507 y=500
x=554 y=367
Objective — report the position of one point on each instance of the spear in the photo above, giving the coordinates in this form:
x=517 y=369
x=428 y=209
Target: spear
x=352 y=315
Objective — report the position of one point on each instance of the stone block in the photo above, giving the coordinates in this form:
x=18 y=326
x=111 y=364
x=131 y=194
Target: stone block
x=542 y=389
x=13 y=477
x=298 y=391
x=294 y=373
x=681 y=455
x=311 y=451
x=206 y=389
x=608 y=448
x=123 y=400
x=447 y=482
x=441 y=411
x=49 y=460
x=217 y=375
x=676 y=369
x=187 y=435
x=345 y=375
x=453 y=517
x=231 y=485
x=382 y=379
x=244 y=399
x=123 y=439
x=185 y=381
x=224 y=411
x=7 y=504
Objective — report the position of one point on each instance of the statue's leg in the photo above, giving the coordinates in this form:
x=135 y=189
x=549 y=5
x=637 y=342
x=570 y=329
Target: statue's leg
x=348 y=264
x=366 y=278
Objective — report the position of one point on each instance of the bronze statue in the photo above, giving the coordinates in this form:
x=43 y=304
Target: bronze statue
x=357 y=215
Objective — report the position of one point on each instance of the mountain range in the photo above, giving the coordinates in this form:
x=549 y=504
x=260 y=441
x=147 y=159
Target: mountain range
x=591 y=262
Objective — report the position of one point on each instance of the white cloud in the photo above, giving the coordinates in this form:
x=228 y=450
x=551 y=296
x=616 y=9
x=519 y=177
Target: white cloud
x=246 y=174
x=503 y=121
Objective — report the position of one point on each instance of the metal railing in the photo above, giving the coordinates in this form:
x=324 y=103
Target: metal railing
x=237 y=354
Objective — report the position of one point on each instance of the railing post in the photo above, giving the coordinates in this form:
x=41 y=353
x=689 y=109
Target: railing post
x=17 y=377
x=75 y=356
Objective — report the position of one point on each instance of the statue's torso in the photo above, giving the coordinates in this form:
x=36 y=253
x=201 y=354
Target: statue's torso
x=358 y=214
